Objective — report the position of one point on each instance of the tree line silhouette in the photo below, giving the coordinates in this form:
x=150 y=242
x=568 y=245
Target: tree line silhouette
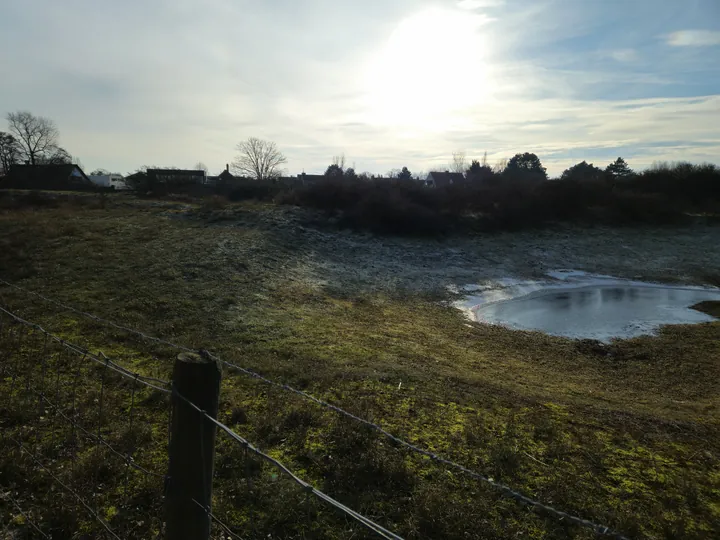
x=513 y=194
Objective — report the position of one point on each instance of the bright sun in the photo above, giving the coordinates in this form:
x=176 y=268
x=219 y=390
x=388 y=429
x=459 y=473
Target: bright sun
x=434 y=64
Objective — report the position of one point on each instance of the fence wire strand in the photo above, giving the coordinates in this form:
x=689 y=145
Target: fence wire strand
x=126 y=458
x=307 y=487
x=67 y=488
x=24 y=515
x=498 y=486
x=215 y=519
x=126 y=373
x=503 y=489
x=147 y=381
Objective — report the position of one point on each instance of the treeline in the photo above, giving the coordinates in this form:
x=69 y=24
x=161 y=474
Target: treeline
x=514 y=198
x=511 y=196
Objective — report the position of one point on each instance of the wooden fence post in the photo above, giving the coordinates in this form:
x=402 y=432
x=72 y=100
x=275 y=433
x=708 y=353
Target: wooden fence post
x=192 y=447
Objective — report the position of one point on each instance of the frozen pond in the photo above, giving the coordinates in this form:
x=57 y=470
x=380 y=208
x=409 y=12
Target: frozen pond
x=578 y=305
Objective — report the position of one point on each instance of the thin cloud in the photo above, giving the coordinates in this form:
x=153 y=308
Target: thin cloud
x=694 y=38
x=624 y=55
x=479 y=4
x=585 y=83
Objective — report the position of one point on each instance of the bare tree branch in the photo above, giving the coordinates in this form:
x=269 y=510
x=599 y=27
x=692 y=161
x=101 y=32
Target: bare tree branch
x=339 y=161
x=37 y=135
x=9 y=152
x=500 y=166
x=459 y=163
x=59 y=156
x=258 y=159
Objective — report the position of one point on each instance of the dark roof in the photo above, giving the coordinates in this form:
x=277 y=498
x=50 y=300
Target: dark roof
x=64 y=176
x=312 y=178
x=177 y=172
x=225 y=175
x=447 y=178
x=289 y=181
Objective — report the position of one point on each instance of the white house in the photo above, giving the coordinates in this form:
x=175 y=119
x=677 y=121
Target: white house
x=115 y=181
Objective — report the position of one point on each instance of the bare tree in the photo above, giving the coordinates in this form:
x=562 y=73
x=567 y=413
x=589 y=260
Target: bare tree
x=200 y=166
x=37 y=136
x=339 y=161
x=8 y=152
x=500 y=166
x=56 y=156
x=459 y=163
x=258 y=159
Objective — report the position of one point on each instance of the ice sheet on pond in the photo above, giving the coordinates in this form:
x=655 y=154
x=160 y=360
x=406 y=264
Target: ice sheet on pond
x=579 y=305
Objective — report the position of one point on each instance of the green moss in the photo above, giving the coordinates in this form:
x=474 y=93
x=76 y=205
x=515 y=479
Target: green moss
x=630 y=440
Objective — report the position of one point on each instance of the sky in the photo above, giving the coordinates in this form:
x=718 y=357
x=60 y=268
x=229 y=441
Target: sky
x=387 y=83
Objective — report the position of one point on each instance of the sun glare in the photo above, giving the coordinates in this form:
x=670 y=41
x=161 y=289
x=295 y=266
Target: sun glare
x=433 y=65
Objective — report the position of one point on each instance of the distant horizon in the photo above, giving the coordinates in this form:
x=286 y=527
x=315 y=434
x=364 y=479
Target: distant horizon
x=420 y=174
x=423 y=173
x=388 y=84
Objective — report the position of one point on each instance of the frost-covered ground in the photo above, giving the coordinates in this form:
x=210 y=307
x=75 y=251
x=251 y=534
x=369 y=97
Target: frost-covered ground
x=356 y=262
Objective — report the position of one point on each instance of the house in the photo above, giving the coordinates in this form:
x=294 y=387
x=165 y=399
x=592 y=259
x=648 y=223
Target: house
x=52 y=177
x=442 y=179
x=225 y=177
x=311 y=179
x=113 y=181
x=290 y=181
x=175 y=177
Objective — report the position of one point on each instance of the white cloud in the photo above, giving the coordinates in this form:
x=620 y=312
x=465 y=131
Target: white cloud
x=478 y=4
x=195 y=77
x=694 y=38
x=624 y=55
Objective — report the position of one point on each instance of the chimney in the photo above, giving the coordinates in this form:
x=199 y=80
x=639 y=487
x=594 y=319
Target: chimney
x=227 y=167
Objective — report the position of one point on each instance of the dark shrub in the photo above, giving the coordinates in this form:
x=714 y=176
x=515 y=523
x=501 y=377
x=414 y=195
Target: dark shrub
x=695 y=184
x=519 y=199
x=391 y=212
x=380 y=206
x=637 y=208
x=566 y=200
x=252 y=189
x=33 y=199
x=329 y=195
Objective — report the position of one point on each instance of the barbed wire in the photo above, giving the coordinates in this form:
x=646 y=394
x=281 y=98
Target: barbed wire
x=216 y=519
x=498 y=486
x=306 y=486
x=98 y=319
x=127 y=458
x=24 y=515
x=105 y=361
x=92 y=512
x=126 y=373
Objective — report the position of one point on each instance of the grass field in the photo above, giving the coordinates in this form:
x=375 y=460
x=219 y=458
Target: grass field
x=626 y=435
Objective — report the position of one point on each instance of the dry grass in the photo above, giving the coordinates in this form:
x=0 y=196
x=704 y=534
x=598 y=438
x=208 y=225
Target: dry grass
x=627 y=435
